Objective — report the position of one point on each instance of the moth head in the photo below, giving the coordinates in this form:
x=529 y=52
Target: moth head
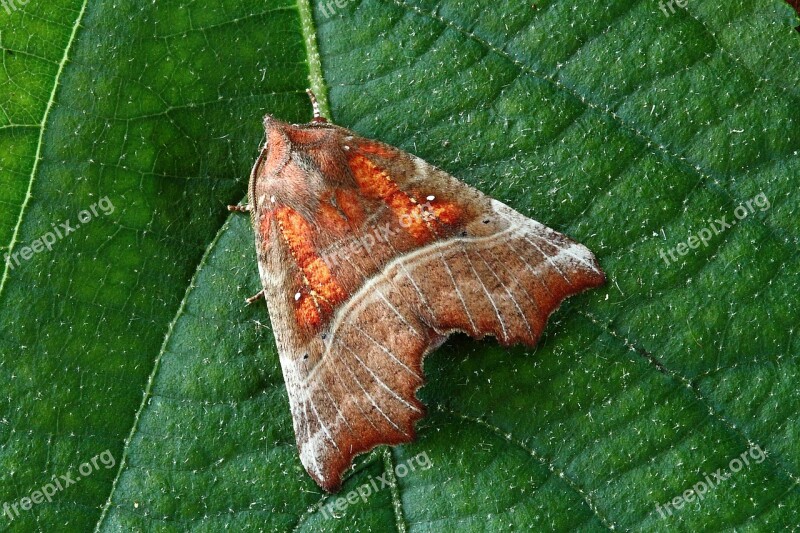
x=287 y=168
x=269 y=122
x=279 y=135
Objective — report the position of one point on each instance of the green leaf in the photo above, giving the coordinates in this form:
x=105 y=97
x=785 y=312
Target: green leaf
x=627 y=128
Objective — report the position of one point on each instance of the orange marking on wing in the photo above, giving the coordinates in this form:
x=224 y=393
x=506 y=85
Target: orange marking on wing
x=446 y=212
x=311 y=309
x=307 y=312
x=331 y=218
x=375 y=182
x=440 y=215
x=315 y=305
x=349 y=203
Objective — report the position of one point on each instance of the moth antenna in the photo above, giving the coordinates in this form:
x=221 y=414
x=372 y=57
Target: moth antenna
x=315 y=105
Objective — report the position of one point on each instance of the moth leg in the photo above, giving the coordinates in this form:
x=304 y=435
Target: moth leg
x=255 y=297
x=239 y=208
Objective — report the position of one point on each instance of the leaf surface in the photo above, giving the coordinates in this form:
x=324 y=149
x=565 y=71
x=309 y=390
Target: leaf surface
x=628 y=129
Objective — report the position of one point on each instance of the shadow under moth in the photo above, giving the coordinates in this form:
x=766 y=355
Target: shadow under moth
x=369 y=259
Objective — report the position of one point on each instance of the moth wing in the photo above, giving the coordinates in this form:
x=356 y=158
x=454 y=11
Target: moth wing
x=491 y=270
x=441 y=257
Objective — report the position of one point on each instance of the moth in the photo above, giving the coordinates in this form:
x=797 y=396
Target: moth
x=369 y=259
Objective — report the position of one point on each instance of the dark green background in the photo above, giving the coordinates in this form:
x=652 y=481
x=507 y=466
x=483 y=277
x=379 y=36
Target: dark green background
x=620 y=126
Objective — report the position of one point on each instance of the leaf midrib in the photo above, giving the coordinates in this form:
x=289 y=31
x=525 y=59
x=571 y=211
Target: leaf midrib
x=40 y=143
x=156 y=365
x=317 y=83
